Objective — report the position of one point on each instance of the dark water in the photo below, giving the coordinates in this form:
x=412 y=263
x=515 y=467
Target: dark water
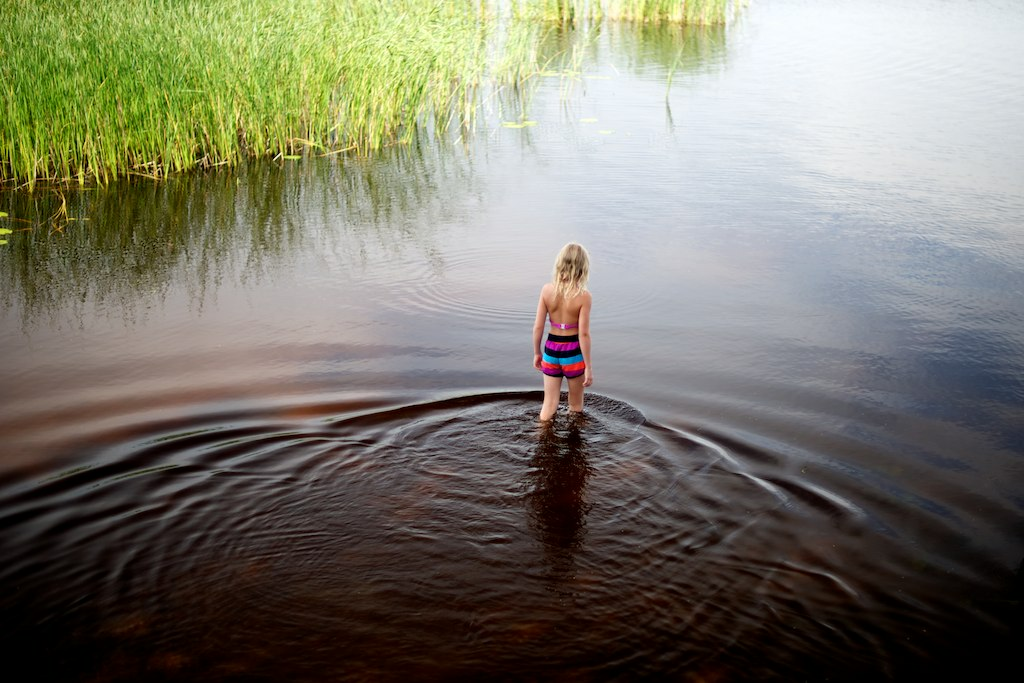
x=279 y=422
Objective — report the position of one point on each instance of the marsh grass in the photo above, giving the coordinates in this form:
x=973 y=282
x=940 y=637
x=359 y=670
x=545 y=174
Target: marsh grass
x=100 y=89
x=96 y=89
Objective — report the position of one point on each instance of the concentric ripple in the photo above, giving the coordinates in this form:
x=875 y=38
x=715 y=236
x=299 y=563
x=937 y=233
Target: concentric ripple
x=452 y=538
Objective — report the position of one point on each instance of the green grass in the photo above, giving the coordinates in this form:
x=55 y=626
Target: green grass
x=91 y=90
x=98 y=89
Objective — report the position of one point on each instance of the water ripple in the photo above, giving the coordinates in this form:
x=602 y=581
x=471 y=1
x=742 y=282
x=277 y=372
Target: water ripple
x=454 y=536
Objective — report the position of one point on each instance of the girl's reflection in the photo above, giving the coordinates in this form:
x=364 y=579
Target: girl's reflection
x=557 y=491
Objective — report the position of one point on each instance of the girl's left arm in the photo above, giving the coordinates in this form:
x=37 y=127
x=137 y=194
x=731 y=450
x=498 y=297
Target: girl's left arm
x=538 y=328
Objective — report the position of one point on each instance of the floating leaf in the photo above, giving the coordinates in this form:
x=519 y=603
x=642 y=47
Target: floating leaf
x=529 y=123
x=588 y=120
x=512 y=124
x=291 y=156
x=5 y=231
x=2 y=242
x=3 y=214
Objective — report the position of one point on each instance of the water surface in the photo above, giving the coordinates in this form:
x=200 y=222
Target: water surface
x=279 y=422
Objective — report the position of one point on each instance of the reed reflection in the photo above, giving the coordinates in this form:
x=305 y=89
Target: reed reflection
x=128 y=246
x=557 y=484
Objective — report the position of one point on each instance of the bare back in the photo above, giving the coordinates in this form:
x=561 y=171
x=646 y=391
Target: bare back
x=563 y=311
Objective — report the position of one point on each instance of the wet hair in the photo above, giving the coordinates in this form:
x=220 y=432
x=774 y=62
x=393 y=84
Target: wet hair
x=572 y=268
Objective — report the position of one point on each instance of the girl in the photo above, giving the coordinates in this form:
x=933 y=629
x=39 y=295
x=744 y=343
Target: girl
x=566 y=353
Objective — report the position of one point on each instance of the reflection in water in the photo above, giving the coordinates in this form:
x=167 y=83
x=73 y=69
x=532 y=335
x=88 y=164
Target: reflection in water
x=576 y=59
x=558 y=502
x=127 y=246
x=637 y=47
x=683 y=49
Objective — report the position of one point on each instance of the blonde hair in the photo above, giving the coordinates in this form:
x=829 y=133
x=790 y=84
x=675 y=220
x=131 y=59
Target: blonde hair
x=572 y=268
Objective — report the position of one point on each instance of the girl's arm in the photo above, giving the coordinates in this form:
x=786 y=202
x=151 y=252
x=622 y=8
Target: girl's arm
x=538 y=327
x=584 y=332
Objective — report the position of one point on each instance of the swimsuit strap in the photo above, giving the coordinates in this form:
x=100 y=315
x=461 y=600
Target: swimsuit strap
x=564 y=326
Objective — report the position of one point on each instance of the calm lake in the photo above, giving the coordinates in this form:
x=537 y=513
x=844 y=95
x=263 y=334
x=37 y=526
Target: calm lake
x=278 y=422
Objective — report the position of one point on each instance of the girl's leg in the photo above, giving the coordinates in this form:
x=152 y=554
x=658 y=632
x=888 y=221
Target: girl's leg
x=576 y=394
x=552 y=392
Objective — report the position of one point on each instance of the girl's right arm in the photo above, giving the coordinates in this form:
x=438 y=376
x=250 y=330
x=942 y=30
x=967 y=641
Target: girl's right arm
x=584 y=332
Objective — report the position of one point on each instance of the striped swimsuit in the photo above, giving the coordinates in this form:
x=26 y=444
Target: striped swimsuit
x=562 y=356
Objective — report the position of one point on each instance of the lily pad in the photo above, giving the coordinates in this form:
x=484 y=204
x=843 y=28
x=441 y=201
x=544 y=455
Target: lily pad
x=2 y=242
x=3 y=214
x=5 y=231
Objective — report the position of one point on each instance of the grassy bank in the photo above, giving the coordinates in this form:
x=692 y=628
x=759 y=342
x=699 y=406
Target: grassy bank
x=95 y=89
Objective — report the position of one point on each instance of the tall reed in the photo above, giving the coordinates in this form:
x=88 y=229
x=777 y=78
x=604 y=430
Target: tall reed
x=101 y=88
